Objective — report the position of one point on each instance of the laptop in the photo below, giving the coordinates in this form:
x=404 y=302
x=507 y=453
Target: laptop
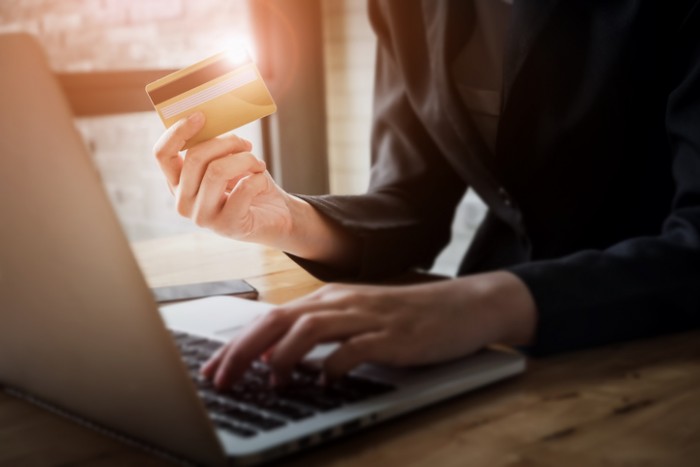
x=81 y=335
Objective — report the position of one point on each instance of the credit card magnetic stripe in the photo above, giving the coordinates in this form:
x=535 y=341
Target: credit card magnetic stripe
x=212 y=92
x=193 y=79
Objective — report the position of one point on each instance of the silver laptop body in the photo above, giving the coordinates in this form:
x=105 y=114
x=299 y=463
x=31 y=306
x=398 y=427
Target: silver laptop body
x=79 y=329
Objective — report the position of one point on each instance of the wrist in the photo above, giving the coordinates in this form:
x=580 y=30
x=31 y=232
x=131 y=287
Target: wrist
x=314 y=237
x=300 y=216
x=507 y=305
x=290 y=235
x=515 y=303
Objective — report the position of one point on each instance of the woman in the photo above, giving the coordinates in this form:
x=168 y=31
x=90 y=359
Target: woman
x=574 y=121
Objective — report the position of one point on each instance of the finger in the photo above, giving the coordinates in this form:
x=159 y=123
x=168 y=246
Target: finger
x=365 y=348
x=265 y=356
x=211 y=197
x=316 y=328
x=207 y=370
x=237 y=206
x=167 y=148
x=198 y=158
x=335 y=296
x=256 y=339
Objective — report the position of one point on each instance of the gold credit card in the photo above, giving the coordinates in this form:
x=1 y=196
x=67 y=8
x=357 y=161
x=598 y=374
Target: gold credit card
x=227 y=87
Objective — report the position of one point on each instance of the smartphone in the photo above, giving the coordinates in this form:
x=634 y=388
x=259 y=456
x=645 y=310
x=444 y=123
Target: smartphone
x=237 y=287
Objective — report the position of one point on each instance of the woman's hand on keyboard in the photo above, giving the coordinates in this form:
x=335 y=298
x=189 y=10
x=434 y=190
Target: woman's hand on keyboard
x=397 y=325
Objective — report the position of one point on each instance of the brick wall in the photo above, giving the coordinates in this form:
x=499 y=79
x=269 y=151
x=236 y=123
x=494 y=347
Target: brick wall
x=109 y=34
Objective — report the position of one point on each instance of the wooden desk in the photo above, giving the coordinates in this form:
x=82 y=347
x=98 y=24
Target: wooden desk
x=624 y=405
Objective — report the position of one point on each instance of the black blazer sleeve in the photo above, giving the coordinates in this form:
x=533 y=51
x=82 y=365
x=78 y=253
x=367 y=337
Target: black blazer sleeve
x=404 y=219
x=641 y=286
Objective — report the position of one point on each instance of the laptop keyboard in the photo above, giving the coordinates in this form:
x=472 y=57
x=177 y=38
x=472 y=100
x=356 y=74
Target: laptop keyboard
x=252 y=406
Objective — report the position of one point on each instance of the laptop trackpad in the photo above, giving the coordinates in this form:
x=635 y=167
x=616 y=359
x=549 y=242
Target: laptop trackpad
x=218 y=318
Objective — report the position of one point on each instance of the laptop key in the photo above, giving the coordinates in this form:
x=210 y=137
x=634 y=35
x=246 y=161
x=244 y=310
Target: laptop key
x=308 y=372
x=212 y=346
x=260 y=368
x=200 y=381
x=192 y=341
x=193 y=365
x=209 y=396
x=255 y=381
x=201 y=355
x=188 y=352
x=177 y=335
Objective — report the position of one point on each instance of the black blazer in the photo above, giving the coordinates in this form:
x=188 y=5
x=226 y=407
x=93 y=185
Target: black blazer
x=594 y=184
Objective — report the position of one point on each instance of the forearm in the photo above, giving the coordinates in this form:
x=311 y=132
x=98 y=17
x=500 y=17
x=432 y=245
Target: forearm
x=314 y=237
x=506 y=308
x=506 y=311
x=515 y=306
x=638 y=288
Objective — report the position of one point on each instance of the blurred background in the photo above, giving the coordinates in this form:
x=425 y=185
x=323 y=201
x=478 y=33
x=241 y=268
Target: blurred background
x=317 y=57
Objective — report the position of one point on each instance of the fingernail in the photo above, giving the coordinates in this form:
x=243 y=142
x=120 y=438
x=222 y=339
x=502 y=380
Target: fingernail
x=196 y=117
x=205 y=370
x=219 y=381
x=248 y=143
